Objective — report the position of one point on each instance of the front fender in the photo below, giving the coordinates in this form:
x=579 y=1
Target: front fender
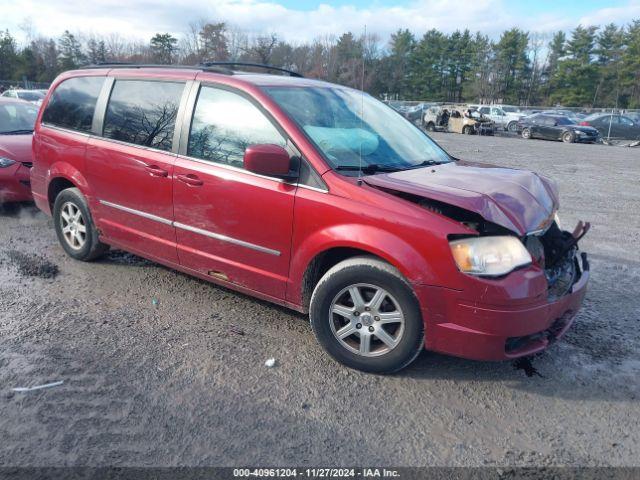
x=367 y=238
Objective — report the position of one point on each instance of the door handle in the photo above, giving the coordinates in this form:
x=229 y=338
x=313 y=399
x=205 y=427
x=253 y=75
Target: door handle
x=156 y=171
x=190 y=179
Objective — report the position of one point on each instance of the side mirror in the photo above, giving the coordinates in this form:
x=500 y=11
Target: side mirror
x=267 y=159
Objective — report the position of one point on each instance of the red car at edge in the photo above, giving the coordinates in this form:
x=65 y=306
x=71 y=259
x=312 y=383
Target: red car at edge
x=17 y=118
x=313 y=196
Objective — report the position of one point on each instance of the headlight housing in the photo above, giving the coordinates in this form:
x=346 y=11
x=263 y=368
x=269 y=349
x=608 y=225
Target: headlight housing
x=489 y=256
x=6 y=162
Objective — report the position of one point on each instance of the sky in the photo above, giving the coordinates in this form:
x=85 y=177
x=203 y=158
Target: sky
x=303 y=20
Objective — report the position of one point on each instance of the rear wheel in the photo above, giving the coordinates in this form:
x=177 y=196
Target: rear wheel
x=74 y=226
x=365 y=315
x=431 y=127
x=512 y=127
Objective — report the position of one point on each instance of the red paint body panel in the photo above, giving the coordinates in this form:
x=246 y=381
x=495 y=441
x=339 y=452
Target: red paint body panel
x=14 y=180
x=245 y=207
x=278 y=228
x=122 y=175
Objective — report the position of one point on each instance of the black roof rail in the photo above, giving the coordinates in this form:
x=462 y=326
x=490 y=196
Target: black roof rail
x=252 y=65
x=214 y=69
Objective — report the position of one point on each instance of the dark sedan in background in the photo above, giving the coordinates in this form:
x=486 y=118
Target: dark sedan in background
x=613 y=126
x=556 y=127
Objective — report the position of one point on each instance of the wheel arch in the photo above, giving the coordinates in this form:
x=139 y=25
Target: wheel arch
x=311 y=262
x=62 y=176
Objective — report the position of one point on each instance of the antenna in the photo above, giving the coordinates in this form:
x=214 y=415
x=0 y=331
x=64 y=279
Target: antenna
x=364 y=40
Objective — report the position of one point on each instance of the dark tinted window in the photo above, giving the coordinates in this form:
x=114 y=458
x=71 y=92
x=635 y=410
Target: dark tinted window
x=225 y=124
x=73 y=103
x=143 y=112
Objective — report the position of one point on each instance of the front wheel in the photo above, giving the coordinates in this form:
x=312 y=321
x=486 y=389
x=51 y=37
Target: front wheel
x=365 y=315
x=567 y=137
x=467 y=130
x=431 y=127
x=74 y=226
x=526 y=133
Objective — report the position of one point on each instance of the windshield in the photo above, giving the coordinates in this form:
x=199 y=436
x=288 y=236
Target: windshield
x=30 y=96
x=349 y=127
x=17 y=117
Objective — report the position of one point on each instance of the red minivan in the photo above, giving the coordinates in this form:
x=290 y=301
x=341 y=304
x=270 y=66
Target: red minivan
x=313 y=196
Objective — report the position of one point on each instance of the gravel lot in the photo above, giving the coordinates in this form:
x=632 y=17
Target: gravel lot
x=163 y=369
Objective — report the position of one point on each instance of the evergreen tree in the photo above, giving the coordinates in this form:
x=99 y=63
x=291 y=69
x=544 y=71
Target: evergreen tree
x=577 y=73
x=71 y=55
x=163 y=48
x=8 y=57
x=512 y=65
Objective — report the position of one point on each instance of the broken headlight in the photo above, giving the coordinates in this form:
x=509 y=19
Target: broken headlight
x=492 y=256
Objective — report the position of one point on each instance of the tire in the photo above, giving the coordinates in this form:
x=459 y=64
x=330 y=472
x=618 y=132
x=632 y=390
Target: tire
x=403 y=338
x=431 y=127
x=71 y=216
x=526 y=133
x=512 y=127
x=568 y=137
x=467 y=130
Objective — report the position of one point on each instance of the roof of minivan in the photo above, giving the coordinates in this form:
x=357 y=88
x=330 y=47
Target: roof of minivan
x=258 y=79
x=264 y=79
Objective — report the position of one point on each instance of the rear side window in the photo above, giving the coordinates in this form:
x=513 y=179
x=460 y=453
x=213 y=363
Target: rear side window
x=73 y=103
x=143 y=112
x=225 y=124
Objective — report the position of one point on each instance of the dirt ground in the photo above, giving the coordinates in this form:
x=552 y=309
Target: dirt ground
x=161 y=369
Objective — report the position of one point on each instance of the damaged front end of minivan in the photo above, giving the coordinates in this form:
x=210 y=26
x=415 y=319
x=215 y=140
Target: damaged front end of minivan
x=525 y=276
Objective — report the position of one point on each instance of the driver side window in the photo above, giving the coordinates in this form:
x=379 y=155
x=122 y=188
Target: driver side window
x=224 y=124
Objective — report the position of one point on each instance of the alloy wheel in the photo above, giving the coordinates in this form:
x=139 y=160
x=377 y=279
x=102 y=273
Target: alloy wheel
x=74 y=228
x=366 y=320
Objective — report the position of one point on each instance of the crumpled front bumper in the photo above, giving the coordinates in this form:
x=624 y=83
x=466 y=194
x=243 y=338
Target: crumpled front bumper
x=486 y=327
x=15 y=185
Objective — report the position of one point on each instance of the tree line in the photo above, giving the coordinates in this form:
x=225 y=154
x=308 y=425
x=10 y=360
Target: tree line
x=589 y=67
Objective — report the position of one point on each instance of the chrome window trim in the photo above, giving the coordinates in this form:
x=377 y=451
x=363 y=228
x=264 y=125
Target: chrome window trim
x=232 y=168
x=63 y=129
x=140 y=147
x=189 y=228
x=315 y=189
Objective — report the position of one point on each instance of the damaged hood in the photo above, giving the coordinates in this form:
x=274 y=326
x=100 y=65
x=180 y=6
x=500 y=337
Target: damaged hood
x=519 y=200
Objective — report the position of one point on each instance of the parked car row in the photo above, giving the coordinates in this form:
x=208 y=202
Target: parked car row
x=592 y=129
x=309 y=195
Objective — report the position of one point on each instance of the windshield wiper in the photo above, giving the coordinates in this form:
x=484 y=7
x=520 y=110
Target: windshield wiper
x=425 y=163
x=371 y=168
x=17 y=132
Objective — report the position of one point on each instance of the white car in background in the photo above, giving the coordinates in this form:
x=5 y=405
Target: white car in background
x=504 y=116
x=33 y=96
